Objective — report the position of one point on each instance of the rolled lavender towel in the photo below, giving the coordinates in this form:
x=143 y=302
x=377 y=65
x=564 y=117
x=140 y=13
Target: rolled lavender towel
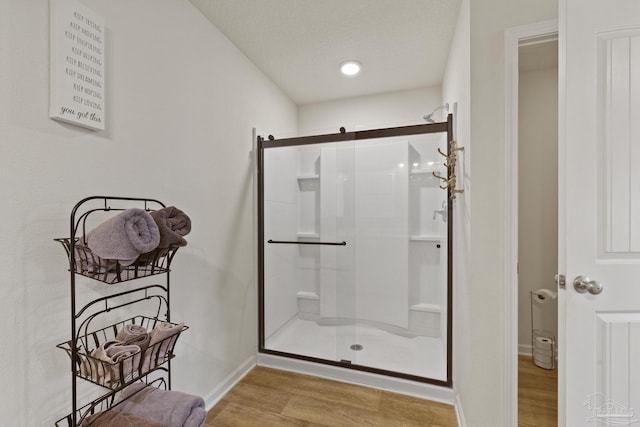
x=134 y=334
x=162 y=338
x=171 y=408
x=118 y=419
x=88 y=262
x=124 y=237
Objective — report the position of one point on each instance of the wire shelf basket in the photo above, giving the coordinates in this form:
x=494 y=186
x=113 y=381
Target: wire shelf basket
x=129 y=368
x=88 y=264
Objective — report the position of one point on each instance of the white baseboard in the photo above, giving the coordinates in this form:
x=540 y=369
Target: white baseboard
x=525 y=349
x=336 y=373
x=229 y=382
x=462 y=422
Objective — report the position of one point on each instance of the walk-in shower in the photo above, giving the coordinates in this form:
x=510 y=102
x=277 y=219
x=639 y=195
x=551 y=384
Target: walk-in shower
x=354 y=250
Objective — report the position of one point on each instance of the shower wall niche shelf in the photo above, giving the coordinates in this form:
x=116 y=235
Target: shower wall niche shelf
x=425 y=238
x=424 y=171
x=308 y=205
x=306 y=177
x=308 y=235
x=149 y=359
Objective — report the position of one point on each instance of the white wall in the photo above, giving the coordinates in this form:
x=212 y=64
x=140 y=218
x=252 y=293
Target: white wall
x=538 y=199
x=456 y=89
x=483 y=392
x=369 y=112
x=181 y=103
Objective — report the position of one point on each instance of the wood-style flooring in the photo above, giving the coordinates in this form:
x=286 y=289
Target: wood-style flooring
x=268 y=397
x=537 y=395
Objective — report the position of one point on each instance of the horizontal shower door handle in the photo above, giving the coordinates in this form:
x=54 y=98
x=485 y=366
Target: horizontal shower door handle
x=295 y=242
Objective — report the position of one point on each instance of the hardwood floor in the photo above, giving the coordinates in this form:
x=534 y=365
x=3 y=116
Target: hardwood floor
x=537 y=395
x=268 y=397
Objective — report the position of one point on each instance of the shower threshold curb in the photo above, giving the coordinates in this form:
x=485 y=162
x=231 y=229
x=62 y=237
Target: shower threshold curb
x=382 y=382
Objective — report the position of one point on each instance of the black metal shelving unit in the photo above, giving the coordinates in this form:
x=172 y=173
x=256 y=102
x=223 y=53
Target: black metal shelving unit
x=153 y=366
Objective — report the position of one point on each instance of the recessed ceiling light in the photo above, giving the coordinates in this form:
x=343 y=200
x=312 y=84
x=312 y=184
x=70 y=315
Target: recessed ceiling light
x=350 y=68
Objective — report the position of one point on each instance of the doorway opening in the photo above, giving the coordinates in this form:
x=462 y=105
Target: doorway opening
x=515 y=38
x=537 y=178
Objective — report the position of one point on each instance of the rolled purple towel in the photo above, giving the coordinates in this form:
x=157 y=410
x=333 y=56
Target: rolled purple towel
x=109 y=361
x=162 y=338
x=125 y=236
x=134 y=334
x=173 y=224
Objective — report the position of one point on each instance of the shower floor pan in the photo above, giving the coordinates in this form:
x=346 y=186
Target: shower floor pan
x=373 y=347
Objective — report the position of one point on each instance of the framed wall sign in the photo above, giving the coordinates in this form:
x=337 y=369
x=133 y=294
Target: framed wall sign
x=77 y=62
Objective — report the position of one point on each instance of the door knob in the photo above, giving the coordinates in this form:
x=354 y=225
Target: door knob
x=583 y=284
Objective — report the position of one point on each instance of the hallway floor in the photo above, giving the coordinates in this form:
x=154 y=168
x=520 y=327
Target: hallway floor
x=537 y=395
x=268 y=397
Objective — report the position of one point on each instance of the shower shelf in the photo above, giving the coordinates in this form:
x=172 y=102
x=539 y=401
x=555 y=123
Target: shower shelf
x=424 y=171
x=303 y=177
x=308 y=235
x=424 y=238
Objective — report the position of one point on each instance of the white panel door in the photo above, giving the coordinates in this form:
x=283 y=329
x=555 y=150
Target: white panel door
x=600 y=212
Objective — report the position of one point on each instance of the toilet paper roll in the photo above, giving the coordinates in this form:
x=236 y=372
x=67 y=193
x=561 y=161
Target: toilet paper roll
x=544 y=365
x=543 y=358
x=543 y=296
x=543 y=343
x=542 y=353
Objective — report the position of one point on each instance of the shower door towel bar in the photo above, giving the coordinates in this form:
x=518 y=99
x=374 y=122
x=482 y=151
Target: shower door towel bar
x=295 y=242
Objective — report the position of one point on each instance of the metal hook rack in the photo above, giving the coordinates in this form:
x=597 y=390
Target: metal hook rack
x=451 y=161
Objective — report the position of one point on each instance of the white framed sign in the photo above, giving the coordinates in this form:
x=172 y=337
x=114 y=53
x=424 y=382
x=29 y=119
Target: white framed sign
x=77 y=65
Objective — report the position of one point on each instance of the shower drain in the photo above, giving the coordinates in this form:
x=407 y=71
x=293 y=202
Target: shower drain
x=356 y=347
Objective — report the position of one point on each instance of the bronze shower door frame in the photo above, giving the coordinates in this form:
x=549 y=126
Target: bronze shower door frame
x=270 y=142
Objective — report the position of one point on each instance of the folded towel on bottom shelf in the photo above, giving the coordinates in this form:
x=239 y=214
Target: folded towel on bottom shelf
x=118 y=419
x=168 y=407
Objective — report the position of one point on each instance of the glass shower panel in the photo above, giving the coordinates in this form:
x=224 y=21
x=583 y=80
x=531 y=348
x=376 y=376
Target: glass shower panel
x=355 y=255
x=308 y=250
x=401 y=257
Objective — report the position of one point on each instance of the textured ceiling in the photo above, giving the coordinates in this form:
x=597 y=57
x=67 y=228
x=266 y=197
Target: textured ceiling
x=299 y=44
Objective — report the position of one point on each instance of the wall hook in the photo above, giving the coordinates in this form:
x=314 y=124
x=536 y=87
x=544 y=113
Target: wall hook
x=452 y=158
x=438 y=176
x=453 y=146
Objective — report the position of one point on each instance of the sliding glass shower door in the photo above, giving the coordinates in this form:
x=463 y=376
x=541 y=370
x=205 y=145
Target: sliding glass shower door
x=309 y=275
x=354 y=251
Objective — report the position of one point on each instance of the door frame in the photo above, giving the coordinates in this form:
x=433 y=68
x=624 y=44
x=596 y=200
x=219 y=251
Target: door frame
x=513 y=39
